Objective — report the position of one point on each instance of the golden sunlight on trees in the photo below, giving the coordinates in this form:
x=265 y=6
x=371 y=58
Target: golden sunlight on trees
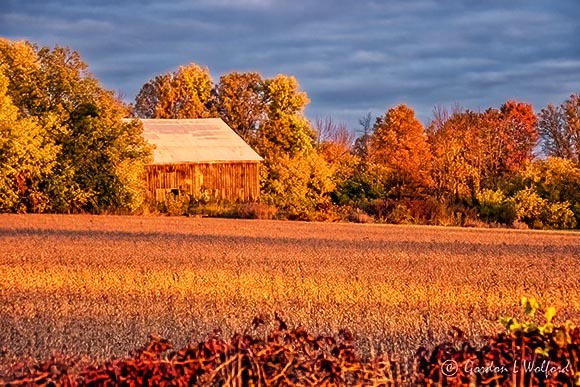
x=81 y=156
x=474 y=151
x=518 y=126
x=26 y=158
x=185 y=93
x=241 y=103
x=504 y=141
x=560 y=129
x=398 y=148
x=555 y=182
x=294 y=177
x=65 y=148
x=286 y=130
x=455 y=168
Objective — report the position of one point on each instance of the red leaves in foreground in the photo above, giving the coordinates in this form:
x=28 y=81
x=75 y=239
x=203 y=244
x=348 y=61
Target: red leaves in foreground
x=295 y=358
x=284 y=358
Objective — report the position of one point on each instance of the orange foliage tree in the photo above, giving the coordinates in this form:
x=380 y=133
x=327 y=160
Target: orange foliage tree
x=475 y=150
x=399 y=149
x=506 y=140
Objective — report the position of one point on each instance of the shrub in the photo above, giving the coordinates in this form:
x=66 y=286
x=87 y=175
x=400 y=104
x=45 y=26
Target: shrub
x=556 y=180
x=424 y=211
x=175 y=205
x=560 y=216
x=358 y=216
x=400 y=214
x=526 y=353
x=251 y=211
x=529 y=207
x=537 y=212
x=494 y=206
x=284 y=358
x=377 y=208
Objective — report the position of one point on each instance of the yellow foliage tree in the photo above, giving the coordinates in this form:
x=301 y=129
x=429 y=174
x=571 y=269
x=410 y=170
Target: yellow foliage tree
x=27 y=158
x=241 y=103
x=474 y=151
x=185 y=93
x=456 y=169
x=286 y=130
x=294 y=176
x=72 y=132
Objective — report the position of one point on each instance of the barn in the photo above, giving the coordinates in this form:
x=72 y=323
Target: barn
x=200 y=157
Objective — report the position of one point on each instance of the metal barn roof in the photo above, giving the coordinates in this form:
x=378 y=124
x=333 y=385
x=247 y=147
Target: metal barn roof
x=195 y=141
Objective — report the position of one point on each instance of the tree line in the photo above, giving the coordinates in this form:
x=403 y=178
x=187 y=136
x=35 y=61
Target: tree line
x=64 y=148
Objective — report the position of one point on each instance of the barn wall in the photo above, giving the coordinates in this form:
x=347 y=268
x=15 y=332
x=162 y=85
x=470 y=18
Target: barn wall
x=233 y=182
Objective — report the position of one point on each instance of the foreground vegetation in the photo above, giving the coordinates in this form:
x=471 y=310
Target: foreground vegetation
x=525 y=354
x=99 y=286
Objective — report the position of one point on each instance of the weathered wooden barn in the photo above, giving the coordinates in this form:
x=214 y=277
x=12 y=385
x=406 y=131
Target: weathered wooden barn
x=200 y=157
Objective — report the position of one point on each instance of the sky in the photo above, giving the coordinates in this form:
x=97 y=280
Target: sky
x=351 y=56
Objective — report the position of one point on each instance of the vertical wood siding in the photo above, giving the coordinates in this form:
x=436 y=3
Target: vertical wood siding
x=233 y=182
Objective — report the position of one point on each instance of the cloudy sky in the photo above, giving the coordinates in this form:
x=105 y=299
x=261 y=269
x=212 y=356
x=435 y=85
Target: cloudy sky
x=351 y=56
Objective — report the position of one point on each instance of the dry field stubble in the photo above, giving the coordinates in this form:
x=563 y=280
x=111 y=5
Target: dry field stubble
x=100 y=285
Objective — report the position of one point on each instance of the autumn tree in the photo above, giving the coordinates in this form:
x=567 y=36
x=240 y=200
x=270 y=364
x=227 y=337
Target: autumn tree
x=294 y=175
x=27 y=158
x=399 y=148
x=456 y=171
x=286 y=130
x=241 y=103
x=98 y=159
x=185 y=93
x=505 y=141
x=335 y=145
x=559 y=127
x=480 y=150
x=521 y=132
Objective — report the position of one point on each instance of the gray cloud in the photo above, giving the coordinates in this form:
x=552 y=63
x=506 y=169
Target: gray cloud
x=350 y=56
